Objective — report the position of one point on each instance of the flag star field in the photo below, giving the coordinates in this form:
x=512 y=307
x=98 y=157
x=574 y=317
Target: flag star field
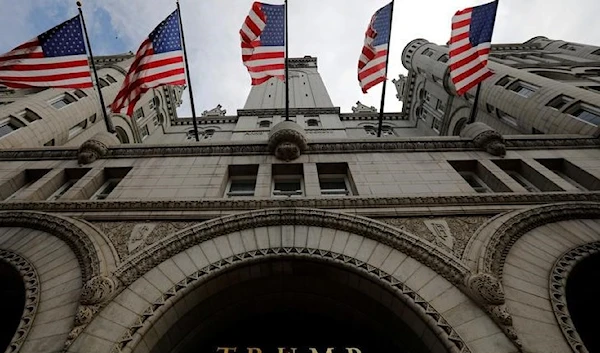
x=63 y=40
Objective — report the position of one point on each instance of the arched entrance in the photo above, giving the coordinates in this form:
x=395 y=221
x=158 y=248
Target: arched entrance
x=12 y=302
x=296 y=302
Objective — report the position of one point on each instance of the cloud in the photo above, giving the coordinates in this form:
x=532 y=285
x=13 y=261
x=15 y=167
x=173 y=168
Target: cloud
x=332 y=30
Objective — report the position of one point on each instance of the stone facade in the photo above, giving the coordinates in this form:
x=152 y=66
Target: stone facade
x=426 y=244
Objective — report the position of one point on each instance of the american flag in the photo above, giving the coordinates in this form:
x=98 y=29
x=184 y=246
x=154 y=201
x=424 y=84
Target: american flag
x=470 y=46
x=56 y=58
x=263 y=42
x=158 y=61
x=372 y=61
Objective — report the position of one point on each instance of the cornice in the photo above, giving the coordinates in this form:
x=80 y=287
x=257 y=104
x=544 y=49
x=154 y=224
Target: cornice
x=293 y=111
x=420 y=144
x=372 y=116
x=372 y=203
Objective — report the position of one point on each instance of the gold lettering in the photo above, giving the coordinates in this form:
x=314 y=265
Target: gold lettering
x=226 y=349
x=314 y=350
x=254 y=350
x=353 y=350
x=287 y=350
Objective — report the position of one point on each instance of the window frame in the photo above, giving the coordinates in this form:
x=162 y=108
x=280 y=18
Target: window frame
x=15 y=125
x=235 y=178
x=564 y=99
x=101 y=193
x=66 y=98
x=284 y=178
x=584 y=107
x=329 y=192
x=520 y=86
x=483 y=188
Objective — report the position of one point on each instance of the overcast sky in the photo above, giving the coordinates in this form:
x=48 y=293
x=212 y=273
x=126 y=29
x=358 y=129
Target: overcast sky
x=332 y=30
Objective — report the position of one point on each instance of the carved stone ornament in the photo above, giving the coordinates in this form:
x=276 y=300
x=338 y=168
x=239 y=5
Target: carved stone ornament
x=486 y=288
x=216 y=111
x=32 y=297
x=287 y=141
x=98 y=290
x=96 y=147
x=558 y=297
x=361 y=108
x=485 y=138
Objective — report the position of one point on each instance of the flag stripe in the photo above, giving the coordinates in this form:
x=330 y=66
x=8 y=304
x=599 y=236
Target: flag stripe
x=373 y=58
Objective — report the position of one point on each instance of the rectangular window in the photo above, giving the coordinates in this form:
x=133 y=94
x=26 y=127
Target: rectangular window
x=50 y=143
x=479 y=177
x=145 y=132
x=68 y=178
x=242 y=180
x=504 y=81
x=80 y=94
x=102 y=83
x=440 y=106
x=15 y=186
x=587 y=113
x=559 y=102
x=155 y=120
x=138 y=114
x=507 y=118
x=596 y=52
x=110 y=179
x=110 y=79
x=529 y=178
x=288 y=180
x=437 y=124
x=62 y=101
x=428 y=52
x=77 y=129
x=570 y=46
x=535 y=131
x=444 y=58
x=523 y=89
x=571 y=173
x=28 y=116
x=334 y=179
x=8 y=125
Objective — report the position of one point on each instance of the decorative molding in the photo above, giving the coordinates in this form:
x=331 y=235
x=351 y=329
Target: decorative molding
x=32 y=297
x=293 y=111
x=485 y=138
x=511 y=230
x=425 y=202
x=287 y=141
x=428 y=144
x=77 y=240
x=426 y=312
x=216 y=111
x=557 y=286
x=438 y=260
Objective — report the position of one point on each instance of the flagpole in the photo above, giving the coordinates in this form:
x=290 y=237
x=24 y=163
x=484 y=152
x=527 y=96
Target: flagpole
x=187 y=71
x=387 y=61
x=475 y=104
x=109 y=125
x=287 y=73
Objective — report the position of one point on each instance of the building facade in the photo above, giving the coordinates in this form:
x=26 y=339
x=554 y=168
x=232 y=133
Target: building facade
x=541 y=86
x=306 y=234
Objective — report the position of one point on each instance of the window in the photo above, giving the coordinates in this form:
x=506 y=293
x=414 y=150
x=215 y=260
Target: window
x=333 y=178
x=110 y=179
x=440 y=106
x=144 y=131
x=138 y=114
x=387 y=130
x=523 y=89
x=504 y=81
x=110 y=79
x=570 y=46
x=490 y=108
x=21 y=182
x=242 y=180
x=5 y=102
x=444 y=58
x=312 y=123
x=428 y=52
x=50 y=143
x=77 y=129
x=264 y=124
x=92 y=118
x=479 y=177
x=559 y=102
x=27 y=115
x=207 y=134
x=587 y=113
x=80 y=94
x=571 y=173
x=505 y=117
x=436 y=124
x=596 y=52
x=102 y=83
x=155 y=120
x=535 y=131
x=190 y=135
x=8 y=125
x=370 y=130
x=69 y=178
x=287 y=180
x=62 y=101
x=526 y=176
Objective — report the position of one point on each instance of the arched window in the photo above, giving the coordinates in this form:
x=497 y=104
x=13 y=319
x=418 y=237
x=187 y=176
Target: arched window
x=370 y=130
x=312 y=122
x=208 y=134
x=122 y=135
x=387 y=130
x=264 y=124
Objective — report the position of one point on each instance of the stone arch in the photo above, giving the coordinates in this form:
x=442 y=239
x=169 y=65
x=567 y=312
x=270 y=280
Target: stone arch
x=517 y=251
x=122 y=135
x=31 y=286
x=160 y=280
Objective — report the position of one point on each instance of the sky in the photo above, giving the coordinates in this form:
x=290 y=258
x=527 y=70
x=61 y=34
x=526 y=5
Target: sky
x=331 y=30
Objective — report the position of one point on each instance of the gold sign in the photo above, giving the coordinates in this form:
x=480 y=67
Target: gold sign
x=281 y=350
